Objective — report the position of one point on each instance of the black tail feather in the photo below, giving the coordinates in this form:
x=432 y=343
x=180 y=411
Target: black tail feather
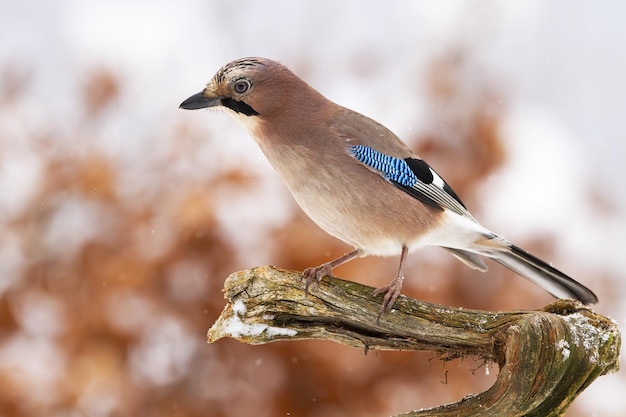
x=543 y=274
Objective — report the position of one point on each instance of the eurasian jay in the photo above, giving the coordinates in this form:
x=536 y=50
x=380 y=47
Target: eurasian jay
x=356 y=180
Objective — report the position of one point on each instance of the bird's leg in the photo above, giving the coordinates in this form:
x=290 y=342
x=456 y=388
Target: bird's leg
x=318 y=272
x=392 y=290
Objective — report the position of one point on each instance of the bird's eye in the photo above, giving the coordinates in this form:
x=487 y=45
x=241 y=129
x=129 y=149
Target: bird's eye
x=242 y=86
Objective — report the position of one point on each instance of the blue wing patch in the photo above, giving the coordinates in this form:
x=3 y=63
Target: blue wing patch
x=413 y=176
x=393 y=169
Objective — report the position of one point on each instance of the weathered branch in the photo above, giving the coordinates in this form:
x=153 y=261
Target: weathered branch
x=546 y=357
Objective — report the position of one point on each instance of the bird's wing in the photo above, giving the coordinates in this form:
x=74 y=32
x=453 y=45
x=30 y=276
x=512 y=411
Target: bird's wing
x=413 y=176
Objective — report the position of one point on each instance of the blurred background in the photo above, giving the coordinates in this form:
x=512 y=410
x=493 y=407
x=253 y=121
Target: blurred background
x=121 y=216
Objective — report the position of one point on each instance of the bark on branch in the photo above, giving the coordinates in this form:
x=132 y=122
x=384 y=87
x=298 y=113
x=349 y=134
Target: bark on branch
x=545 y=357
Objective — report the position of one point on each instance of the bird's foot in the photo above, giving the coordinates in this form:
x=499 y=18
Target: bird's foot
x=325 y=270
x=316 y=273
x=391 y=292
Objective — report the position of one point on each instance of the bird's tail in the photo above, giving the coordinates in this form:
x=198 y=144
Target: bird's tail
x=541 y=273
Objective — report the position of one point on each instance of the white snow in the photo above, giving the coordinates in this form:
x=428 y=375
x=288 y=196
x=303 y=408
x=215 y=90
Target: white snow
x=563 y=345
x=236 y=327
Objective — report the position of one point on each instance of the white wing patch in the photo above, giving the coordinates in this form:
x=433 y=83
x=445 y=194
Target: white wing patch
x=437 y=180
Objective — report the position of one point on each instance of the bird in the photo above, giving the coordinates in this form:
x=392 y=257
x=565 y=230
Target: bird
x=359 y=182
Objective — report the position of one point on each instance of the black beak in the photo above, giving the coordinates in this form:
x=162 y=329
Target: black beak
x=199 y=101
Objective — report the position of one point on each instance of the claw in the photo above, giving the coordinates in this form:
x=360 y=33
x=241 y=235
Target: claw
x=392 y=290
x=316 y=273
x=391 y=293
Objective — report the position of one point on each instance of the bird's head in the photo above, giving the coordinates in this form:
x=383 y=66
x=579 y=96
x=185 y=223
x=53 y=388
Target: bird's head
x=249 y=88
